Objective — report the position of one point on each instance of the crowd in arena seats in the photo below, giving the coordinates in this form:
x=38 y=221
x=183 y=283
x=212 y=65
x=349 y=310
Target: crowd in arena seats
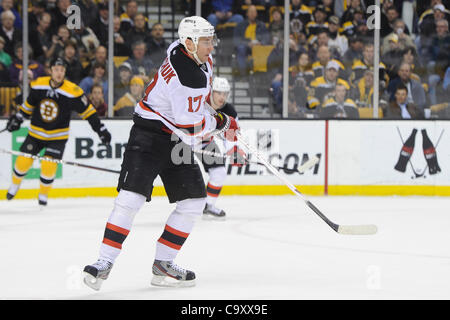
x=331 y=72
x=331 y=53
x=138 y=47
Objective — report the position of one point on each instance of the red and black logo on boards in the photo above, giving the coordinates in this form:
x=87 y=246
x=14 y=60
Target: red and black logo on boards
x=429 y=152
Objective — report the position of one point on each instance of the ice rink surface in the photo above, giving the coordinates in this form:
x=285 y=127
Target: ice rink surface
x=268 y=248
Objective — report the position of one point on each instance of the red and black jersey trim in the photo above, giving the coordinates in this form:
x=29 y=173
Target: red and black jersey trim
x=173 y=238
x=213 y=191
x=190 y=130
x=115 y=235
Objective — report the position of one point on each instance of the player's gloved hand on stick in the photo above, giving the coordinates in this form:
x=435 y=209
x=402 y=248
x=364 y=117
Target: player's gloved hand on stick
x=227 y=126
x=238 y=157
x=104 y=134
x=14 y=122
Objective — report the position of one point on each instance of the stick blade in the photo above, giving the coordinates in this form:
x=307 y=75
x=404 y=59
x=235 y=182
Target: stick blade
x=308 y=164
x=366 y=229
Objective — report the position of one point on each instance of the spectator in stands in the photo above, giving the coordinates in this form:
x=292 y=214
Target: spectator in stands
x=139 y=31
x=427 y=23
x=141 y=64
x=122 y=80
x=318 y=23
x=336 y=42
x=100 y=24
x=301 y=12
x=393 y=56
x=11 y=34
x=100 y=56
x=276 y=26
x=97 y=76
x=37 y=9
x=58 y=41
x=86 y=40
x=43 y=35
x=120 y=48
x=125 y=106
x=339 y=105
x=301 y=76
x=439 y=52
x=324 y=85
x=404 y=39
x=349 y=28
x=361 y=65
x=4 y=74
x=36 y=69
x=362 y=91
x=392 y=16
x=127 y=18
x=98 y=100
x=416 y=93
x=353 y=52
x=74 y=69
x=247 y=34
x=323 y=58
x=409 y=55
x=5 y=59
x=9 y=5
x=157 y=45
x=59 y=15
x=355 y=5
x=224 y=11
x=90 y=11
x=401 y=108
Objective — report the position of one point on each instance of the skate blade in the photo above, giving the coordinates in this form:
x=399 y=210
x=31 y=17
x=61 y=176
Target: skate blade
x=92 y=282
x=164 y=281
x=209 y=217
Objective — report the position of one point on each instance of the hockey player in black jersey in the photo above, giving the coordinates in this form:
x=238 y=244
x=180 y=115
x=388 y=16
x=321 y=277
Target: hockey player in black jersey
x=49 y=107
x=215 y=166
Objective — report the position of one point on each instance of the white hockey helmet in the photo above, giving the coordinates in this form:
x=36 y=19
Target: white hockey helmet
x=221 y=85
x=193 y=28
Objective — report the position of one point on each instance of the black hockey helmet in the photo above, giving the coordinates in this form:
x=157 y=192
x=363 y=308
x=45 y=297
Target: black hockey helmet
x=58 y=62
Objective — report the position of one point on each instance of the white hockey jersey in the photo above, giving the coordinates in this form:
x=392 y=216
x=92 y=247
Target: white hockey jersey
x=177 y=94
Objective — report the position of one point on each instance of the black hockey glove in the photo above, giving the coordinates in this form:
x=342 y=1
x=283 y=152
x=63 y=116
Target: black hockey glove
x=104 y=134
x=14 y=122
x=227 y=126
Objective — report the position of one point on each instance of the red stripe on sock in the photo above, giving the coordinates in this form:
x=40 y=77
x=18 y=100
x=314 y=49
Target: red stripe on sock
x=176 y=232
x=113 y=227
x=214 y=187
x=112 y=243
x=169 y=244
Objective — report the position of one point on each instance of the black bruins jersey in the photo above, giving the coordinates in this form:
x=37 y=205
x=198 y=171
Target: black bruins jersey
x=50 y=109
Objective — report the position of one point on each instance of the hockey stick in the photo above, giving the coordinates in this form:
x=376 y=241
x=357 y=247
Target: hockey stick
x=341 y=229
x=3 y=130
x=301 y=169
x=17 y=153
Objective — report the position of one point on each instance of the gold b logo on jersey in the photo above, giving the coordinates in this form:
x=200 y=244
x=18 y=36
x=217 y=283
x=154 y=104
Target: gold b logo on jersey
x=49 y=110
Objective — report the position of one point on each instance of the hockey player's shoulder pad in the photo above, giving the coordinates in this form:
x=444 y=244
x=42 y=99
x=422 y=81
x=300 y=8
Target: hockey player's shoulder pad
x=71 y=89
x=40 y=83
x=188 y=72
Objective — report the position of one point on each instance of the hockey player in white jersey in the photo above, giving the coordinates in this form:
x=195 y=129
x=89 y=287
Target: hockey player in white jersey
x=215 y=166
x=173 y=108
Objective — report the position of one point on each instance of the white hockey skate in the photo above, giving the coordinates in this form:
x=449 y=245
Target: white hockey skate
x=212 y=213
x=95 y=274
x=168 y=274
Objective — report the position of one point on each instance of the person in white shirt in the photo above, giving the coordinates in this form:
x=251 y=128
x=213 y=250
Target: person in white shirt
x=172 y=109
